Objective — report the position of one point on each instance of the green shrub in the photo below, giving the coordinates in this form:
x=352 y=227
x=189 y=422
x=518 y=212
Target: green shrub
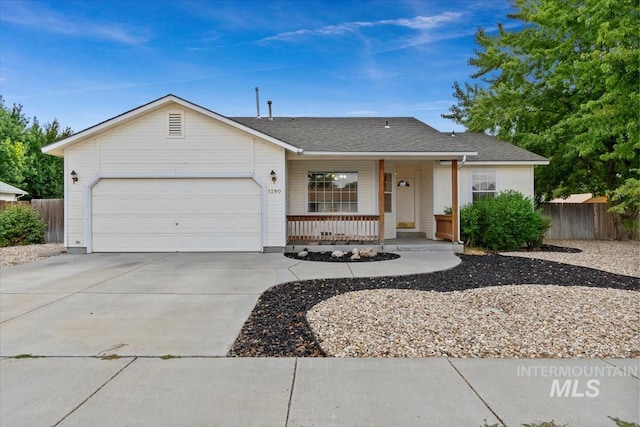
x=505 y=222
x=21 y=225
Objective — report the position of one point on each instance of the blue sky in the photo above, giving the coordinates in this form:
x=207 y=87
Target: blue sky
x=86 y=61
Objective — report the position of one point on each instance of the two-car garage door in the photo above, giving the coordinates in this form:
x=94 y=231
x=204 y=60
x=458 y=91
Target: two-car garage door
x=176 y=215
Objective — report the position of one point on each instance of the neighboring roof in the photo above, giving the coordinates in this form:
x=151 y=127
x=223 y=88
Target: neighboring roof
x=580 y=198
x=10 y=189
x=491 y=149
x=357 y=134
x=57 y=148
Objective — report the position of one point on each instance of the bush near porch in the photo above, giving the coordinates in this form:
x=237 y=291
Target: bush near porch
x=505 y=222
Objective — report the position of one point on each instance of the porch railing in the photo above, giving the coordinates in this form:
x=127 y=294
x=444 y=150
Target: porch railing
x=444 y=227
x=333 y=227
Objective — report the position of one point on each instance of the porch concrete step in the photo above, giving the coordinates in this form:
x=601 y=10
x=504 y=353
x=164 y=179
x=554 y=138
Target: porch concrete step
x=392 y=247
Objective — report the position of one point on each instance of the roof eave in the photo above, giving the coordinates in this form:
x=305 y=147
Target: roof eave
x=57 y=148
x=378 y=154
x=501 y=162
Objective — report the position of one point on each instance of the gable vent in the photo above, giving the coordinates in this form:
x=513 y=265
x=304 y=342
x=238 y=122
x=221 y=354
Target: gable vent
x=175 y=125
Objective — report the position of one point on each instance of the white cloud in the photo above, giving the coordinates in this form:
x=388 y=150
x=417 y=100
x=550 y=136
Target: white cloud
x=421 y=24
x=44 y=19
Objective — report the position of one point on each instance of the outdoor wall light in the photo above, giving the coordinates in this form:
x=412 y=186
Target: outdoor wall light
x=74 y=176
x=403 y=183
x=273 y=176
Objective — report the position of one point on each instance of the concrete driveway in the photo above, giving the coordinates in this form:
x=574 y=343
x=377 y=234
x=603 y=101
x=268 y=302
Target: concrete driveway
x=133 y=304
x=181 y=304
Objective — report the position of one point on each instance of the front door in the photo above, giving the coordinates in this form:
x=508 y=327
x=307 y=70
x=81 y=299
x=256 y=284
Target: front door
x=406 y=203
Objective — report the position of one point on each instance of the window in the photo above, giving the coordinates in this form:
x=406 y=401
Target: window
x=175 y=124
x=388 y=192
x=483 y=184
x=333 y=192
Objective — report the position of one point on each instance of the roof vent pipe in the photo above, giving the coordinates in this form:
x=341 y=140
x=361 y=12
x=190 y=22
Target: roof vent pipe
x=453 y=133
x=258 y=102
x=270 y=115
x=386 y=125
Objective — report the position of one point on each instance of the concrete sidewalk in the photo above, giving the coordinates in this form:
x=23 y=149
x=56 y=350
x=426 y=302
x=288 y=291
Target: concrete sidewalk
x=316 y=392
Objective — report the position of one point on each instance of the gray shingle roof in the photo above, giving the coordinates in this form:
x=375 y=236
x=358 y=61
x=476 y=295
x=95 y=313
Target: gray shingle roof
x=355 y=134
x=490 y=149
x=369 y=134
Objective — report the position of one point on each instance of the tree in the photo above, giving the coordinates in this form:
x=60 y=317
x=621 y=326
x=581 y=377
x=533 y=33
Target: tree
x=565 y=84
x=43 y=174
x=12 y=130
x=22 y=162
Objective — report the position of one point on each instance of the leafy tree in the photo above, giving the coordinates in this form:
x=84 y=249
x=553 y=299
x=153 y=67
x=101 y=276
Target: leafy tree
x=22 y=162
x=12 y=134
x=563 y=84
x=43 y=174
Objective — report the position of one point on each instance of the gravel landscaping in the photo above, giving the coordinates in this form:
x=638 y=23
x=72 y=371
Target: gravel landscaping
x=612 y=256
x=515 y=321
x=278 y=324
x=14 y=255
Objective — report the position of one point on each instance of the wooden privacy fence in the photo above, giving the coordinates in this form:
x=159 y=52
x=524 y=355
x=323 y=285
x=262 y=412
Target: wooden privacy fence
x=52 y=213
x=580 y=221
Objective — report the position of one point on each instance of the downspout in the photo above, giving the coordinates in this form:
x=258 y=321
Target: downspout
x=464 y=160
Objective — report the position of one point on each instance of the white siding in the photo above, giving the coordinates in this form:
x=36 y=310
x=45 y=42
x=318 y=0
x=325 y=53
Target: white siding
x=82 y=158
x=269 y=157
x=425 y=195
x=142 y=146
x=442 y=188
x=518 y=178
x=367 y=186
x=8 y=197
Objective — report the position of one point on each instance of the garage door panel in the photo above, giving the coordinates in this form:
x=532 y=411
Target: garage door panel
x=160 y=206
x=187 y=243
x=159 y=215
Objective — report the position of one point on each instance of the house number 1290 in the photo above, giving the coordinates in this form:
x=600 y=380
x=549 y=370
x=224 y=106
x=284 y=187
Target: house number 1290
x=274 y=191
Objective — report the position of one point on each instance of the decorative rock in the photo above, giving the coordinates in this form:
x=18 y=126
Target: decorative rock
x=337 y=254
x=369 y=252
x=355 y=251
x=492 y=310
x=355 y=256
x=302 y=254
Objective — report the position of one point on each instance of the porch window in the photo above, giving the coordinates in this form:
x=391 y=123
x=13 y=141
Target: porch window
x=333 y=192
x=388 y=192
x=483 y=184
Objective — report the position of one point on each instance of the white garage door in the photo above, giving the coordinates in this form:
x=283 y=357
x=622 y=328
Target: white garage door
x=183 y=215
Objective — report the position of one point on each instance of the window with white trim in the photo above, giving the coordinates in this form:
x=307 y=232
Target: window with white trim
x=175 y=124
x=330 y=192
x=483 y=184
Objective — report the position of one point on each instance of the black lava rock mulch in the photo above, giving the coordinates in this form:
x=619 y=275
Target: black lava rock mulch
x=326 y=257
x=552 y=248
x=278 y=326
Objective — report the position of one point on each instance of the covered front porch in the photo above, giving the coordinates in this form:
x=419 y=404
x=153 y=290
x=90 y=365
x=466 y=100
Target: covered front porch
x=389 y=202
